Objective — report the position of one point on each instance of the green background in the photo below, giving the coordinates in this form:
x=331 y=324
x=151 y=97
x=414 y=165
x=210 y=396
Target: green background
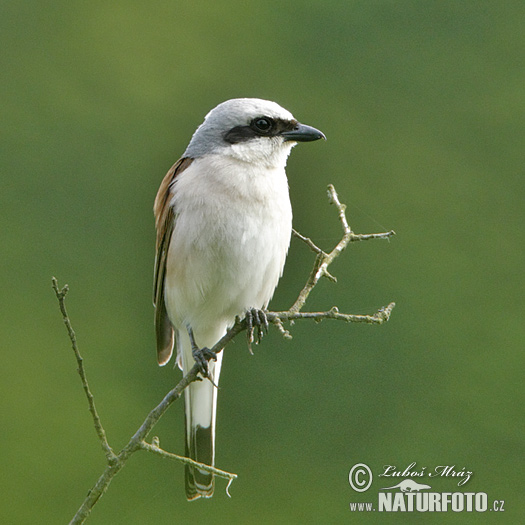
x=423 y=104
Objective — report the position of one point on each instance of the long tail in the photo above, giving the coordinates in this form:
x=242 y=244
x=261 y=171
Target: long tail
x=200 y=410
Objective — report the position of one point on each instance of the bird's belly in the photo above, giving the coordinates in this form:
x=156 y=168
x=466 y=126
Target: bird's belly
x=222 y=263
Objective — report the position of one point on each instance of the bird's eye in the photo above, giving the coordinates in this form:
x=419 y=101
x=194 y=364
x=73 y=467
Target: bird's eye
x=264 y=125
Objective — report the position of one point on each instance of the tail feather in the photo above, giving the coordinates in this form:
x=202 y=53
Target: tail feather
x=200 y=414
x=200 y=446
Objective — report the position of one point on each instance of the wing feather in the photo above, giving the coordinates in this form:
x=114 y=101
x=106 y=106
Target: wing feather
x=164 y=224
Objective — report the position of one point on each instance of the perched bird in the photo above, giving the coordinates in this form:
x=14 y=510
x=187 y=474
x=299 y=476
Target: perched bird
x=223 y=219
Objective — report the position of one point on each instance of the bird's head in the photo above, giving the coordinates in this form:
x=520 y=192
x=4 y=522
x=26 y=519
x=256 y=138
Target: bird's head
x=250 y=130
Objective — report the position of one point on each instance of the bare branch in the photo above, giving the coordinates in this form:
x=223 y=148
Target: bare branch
x=380 y=317
x=279 y=325
x=115 y=462
x=138 y=441
x=323 y=260
x=308 y=242
x=61 y=295
x=151 y=447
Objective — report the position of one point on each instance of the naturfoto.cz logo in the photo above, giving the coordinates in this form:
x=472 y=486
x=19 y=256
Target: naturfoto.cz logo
x=409 y=495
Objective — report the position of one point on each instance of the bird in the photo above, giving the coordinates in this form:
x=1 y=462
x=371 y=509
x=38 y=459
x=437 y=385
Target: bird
x=223 y=222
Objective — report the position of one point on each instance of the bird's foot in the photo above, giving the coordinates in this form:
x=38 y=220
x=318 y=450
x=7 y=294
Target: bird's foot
x=201 y=355
x=256 y=323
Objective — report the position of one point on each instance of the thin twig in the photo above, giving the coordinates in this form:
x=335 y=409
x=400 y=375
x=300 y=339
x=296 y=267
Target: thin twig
x=380 y=317
x=279 y=325
x=308 y=242
x=61 y=295
x=323 y=260
x=149 y=447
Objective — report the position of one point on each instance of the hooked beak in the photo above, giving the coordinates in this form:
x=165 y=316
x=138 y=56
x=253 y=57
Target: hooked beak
x=303 y=133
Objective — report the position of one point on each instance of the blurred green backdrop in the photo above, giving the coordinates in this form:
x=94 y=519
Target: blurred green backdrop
x=423 y=104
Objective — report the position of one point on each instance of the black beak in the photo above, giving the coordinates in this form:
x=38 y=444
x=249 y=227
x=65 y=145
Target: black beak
x=303 y=133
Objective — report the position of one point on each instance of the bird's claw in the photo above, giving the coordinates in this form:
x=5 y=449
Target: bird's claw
x=202 y=356
x=256 y=320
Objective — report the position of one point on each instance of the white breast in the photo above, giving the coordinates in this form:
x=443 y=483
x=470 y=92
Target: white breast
x=231 y=236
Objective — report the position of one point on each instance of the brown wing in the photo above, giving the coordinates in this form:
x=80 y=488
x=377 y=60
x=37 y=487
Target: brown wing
x=164 y=223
